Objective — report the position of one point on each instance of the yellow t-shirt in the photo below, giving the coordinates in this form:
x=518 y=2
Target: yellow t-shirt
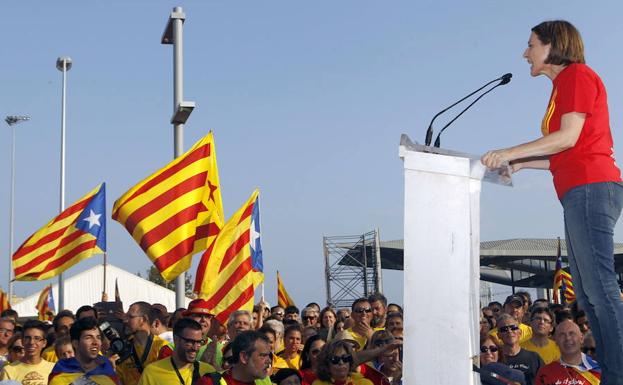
x=353 y=379
x=162 y=372
x=281 y=362
x=361 y=340
x=128 y=370
x=526 y=334
x=49 y=354
x=549 y=353
x=28 y=374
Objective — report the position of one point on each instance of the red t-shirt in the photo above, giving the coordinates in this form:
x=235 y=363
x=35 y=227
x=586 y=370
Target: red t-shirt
x=555 y=373
x=579 y=89
x=308 y=375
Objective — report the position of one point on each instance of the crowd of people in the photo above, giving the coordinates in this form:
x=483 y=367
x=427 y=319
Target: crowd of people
x=360 y=345
x=538 y=343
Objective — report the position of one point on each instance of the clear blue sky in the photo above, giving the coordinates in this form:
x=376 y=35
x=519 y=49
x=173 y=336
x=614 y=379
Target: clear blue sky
x=307 y=101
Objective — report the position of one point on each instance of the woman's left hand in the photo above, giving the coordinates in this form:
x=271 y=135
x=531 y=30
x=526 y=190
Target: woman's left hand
x=495 y=158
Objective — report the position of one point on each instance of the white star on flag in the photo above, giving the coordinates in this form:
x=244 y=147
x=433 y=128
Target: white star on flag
x=93 y=219
x=254 y=236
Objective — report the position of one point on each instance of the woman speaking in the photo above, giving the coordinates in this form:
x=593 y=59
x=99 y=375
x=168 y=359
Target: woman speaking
x=577 y=148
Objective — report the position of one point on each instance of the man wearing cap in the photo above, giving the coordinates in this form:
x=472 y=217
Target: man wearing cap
x=574 y=367
x=514 y=307
x=212 y=351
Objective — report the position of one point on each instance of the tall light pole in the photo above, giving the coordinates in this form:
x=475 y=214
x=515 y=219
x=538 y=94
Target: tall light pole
x=12 y=120
x=63 y=64
x=173 y=34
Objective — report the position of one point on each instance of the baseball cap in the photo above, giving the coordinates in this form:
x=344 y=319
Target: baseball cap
x=198 y=306
x=514 y=298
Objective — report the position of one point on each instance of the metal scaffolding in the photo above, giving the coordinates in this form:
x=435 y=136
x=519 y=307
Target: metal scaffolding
x=352 y=267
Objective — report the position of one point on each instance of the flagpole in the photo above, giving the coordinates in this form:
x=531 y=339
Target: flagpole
x=173 y=34
x=104 y=285
x=63 y=64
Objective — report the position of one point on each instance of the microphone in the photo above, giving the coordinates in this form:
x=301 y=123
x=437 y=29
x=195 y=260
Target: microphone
x=504 y=79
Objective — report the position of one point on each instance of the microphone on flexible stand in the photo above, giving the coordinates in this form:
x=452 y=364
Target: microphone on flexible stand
x=504 y=79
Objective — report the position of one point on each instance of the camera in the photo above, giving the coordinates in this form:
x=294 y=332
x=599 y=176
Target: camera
x=118 y=345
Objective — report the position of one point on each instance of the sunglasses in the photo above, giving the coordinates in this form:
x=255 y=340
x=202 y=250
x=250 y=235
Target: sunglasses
x=362 y=310
x=485 y=349
x=308 y=318
x=279 y=313
x=347 y=359
x=506 y=329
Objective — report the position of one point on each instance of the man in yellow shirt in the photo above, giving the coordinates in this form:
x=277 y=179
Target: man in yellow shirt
x=542 y=321
x=514 y=306
x=30 y=369
x=145 y=346
x=182 y=366
x=361 y=313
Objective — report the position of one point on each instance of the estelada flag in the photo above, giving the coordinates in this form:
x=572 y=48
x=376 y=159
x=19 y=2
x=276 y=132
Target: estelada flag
x=232 y=267
x=75 y=234
x=283 y=298
x=175 y=212
x=45 y=304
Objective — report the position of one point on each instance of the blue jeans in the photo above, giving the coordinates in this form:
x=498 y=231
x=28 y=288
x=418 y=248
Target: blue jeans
x=591 y=211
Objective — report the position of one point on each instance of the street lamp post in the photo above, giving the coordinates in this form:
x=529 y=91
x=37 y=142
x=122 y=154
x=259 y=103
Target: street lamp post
x=173 y=34
x=12 y=121
x=63 y=64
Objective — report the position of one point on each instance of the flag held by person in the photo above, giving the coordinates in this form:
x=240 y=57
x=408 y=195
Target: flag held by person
x=563 y=282
x=45 y=304
x=283 y=298
x=175 y=212
x=5 y=304
x=75 y=234
x=232 y=267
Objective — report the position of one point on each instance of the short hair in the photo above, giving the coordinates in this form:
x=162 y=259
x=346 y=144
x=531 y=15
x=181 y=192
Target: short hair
x=282 y=374
x=377 y=297
x=274 y=324
x=309 y=309
x=185 y=323
x=322 y=369
x=398 y=306
x=62 y=341
x=290 y=322
x=82 y=324
x=8 y=319
x=234 y=315
x=62 y=314
x=268 y=330
x=314 y=305
x=292 y=328
x=566 y=46
x=495 y=303
x=542 y=310
x=85 y=308
x=35 y=324
x=563 y=315
x=272 y=309
x=527 y=298
x=291 y=309
x=9 y=313
x=506 y=317
x=245 y=342
x=394 y=314
x=145 y=309
x=358 y=301
x=155 y=313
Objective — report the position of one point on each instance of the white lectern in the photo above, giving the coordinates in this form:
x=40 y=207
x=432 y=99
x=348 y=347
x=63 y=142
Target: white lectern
x=441 y=263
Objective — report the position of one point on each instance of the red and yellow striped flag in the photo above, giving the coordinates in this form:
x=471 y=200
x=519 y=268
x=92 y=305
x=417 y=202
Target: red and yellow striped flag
x=563 y=283
x=283 y=298
x=175 y=212
x=4 y=301
x=75 y=234
x=45 y=304
x=232 y=267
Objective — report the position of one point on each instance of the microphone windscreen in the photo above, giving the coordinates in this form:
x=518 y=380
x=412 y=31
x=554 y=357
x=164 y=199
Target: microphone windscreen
x=506 y=78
